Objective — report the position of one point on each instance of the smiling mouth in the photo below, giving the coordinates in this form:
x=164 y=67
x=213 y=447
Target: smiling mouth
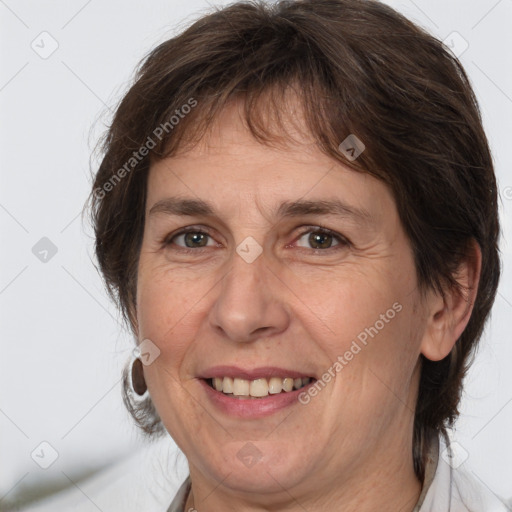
x=258 y=388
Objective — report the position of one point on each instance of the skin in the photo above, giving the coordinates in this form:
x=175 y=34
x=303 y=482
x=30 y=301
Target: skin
x=296 y=307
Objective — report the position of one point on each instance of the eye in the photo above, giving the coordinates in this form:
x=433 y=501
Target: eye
x=321 y=239
x=191 y=239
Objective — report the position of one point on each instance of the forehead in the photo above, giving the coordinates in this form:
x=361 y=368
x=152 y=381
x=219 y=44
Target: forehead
x=229 y=166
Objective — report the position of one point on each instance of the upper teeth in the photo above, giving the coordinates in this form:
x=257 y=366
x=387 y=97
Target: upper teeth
x=258 y=387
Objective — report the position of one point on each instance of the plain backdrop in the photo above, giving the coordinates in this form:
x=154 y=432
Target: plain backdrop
x=64 y=65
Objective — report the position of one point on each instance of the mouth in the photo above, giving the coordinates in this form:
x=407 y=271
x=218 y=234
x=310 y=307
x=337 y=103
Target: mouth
x=253 y=393
x=245 y=389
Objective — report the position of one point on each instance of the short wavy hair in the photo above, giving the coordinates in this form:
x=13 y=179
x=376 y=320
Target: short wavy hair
x=357 y=67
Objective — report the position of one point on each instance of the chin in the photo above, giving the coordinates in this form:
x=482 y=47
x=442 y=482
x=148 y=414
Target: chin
x=259 y=467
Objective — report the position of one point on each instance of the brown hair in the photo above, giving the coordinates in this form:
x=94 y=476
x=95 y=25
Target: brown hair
x=358 y=67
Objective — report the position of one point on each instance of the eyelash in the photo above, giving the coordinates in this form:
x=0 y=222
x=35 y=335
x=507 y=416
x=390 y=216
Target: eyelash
x=184 y=231
x=342 y=241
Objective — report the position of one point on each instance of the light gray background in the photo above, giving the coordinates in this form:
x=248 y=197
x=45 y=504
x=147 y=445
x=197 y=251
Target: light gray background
x=62 y=344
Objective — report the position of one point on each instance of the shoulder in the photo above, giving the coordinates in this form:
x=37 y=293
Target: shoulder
x=456 y=488
x=143 y=481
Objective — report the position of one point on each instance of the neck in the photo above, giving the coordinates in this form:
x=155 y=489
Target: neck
x=384 y=481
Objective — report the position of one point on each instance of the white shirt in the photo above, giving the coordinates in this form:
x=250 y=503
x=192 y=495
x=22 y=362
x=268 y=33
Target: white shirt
x=146 y=482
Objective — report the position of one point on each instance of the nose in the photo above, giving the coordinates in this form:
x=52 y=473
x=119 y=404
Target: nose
x=250 y=302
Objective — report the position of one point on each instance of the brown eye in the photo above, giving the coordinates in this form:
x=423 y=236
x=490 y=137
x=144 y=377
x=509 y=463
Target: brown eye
x=320 y=239
x=195 y=239
x=191 y=239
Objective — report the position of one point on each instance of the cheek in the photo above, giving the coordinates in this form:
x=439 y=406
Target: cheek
x=165 y=298
x=167 y=316
x=368 y=323
x=167 y=308
x=352 y=306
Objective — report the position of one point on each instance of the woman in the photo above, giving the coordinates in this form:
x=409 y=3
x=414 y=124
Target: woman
x=297 y=214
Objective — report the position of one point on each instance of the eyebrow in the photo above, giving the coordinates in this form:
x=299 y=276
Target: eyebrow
x=197 y=207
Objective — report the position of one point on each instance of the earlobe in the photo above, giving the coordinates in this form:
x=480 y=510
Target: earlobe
x=448 y=316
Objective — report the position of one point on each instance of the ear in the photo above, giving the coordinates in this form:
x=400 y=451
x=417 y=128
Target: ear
x=449 y=316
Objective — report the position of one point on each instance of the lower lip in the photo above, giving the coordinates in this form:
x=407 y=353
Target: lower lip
x=252 y=408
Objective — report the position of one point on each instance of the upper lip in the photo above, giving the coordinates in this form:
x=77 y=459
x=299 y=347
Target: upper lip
x=262 y=372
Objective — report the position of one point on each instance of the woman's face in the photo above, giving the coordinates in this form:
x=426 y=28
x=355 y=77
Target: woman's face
x=293 y=267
